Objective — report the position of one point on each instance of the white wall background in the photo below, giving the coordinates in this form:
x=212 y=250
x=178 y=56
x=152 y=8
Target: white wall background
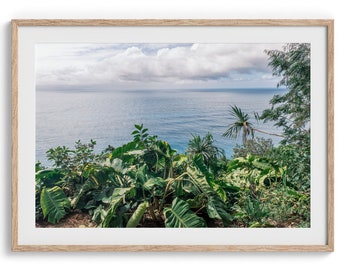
x=133 y=9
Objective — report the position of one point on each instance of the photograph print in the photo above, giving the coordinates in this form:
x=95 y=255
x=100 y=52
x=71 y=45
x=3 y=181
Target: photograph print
x=172 y=135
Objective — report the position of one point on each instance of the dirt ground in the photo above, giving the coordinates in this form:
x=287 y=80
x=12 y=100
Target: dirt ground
x=72 y=220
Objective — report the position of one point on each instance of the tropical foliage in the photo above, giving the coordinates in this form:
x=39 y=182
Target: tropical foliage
x=257 y=147
x=144 y=181
x=291 y=111
x=147 y=183
x=150 y=184
x=240 y=124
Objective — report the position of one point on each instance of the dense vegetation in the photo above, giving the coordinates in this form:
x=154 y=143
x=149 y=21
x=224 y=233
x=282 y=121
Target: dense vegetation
x=146 y=183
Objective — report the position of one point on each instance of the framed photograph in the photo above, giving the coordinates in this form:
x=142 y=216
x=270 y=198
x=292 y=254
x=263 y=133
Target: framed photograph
x=172 y=135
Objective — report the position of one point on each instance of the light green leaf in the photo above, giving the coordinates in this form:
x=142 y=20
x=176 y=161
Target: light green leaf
x=137 y=215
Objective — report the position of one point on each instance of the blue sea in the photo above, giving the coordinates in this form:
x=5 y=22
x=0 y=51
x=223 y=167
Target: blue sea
x=108 y=117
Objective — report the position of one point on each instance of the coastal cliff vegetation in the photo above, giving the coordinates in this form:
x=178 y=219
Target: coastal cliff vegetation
x=147 y=183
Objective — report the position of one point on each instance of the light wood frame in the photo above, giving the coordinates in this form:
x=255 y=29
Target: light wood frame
x=329 y=24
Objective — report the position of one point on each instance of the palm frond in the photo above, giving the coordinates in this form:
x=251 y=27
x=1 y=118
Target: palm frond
x=241 y=123
x=239 y=114
x=232 y=131
x=205 y=147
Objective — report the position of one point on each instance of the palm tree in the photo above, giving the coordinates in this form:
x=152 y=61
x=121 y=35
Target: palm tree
x=241 y=124
x=205 y=147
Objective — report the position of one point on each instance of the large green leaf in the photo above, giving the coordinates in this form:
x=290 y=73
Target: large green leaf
x=154 y=182
x=141 y=175
x=199 y=180
x=54 y=204
x=199 y=164
x=180 y=216
x=206 y=177
x=109 y=215
x=137 y=215
x=49 y=177
x=217 y=209
x=121 y=151
x=117 y=197
x=89 y=184
x=203 y=179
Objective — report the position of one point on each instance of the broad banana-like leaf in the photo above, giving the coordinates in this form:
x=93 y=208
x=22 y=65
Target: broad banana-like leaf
x=137 y=215
x=180 y=216
x=199 y=164
x=154 y=182
x=109 y=215
x=199 y=180
x=217 y=209
x=54 y=204
x=49 y=177
x=219 y=191
x=141 y=175
x=117 y=197
x=88 y=185
x=120 y=152
x=209 y=177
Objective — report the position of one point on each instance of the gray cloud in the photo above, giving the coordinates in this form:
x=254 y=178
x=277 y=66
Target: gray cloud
x=141 y=65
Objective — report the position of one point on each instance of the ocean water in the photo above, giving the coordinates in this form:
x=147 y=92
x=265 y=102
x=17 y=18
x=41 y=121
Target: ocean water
x=108 y=117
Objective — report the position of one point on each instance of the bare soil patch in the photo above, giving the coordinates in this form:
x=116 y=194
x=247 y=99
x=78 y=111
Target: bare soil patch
x=72 y=220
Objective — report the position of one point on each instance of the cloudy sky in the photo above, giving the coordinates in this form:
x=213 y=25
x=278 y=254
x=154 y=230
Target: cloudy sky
x=153 y=66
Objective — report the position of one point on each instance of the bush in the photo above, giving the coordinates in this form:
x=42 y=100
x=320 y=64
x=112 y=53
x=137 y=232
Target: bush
x=255 y=147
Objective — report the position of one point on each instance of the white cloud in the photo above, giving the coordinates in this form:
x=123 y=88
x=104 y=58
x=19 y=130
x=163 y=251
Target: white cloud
x=151 y=65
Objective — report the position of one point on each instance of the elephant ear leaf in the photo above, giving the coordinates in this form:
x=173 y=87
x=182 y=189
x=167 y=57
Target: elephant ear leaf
x=180 y=216
x=54 y=204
